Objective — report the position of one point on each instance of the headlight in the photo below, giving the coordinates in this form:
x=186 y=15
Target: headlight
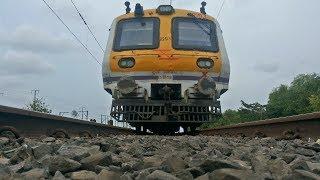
x=165 y=10
x=126 y=62
x=206 y=63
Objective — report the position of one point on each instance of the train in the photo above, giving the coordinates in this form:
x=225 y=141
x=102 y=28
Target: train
x=165 y=68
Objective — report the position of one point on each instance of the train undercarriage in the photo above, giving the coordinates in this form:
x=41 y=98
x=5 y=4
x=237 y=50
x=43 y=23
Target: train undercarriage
x=165 y=112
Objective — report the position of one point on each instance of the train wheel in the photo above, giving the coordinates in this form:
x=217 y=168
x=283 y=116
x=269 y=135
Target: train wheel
x=60 y=133
x=9 y=132
x=85 y=134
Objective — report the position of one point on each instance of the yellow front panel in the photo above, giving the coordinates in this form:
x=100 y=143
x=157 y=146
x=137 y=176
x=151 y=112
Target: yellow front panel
x=165 y=58
x=145 y=63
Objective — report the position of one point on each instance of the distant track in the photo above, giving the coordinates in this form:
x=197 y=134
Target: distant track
x=298 y=126
x=26 y=123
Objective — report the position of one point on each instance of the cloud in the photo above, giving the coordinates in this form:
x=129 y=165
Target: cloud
x=15 y=63
x=37 y=40
x=267 y=67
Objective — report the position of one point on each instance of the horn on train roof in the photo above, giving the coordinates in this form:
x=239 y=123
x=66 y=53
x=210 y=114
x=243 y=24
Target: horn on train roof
x=138 y=10
x=128 y=9
x=203 y=7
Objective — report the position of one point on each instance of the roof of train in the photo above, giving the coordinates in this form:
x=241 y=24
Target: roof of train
x=177 y=12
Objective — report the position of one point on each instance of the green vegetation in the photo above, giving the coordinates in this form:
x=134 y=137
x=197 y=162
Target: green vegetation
x=301 y=96
x=39 y=105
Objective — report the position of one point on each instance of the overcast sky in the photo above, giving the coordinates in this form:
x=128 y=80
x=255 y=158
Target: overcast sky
x=269 y=42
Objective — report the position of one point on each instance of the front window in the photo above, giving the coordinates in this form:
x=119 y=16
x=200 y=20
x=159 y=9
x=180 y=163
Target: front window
x=194 y=34
x=137 y=33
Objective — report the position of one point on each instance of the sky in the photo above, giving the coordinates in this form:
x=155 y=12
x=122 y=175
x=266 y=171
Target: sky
x=269 y=42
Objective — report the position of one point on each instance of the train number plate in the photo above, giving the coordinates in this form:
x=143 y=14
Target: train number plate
x=165 y=77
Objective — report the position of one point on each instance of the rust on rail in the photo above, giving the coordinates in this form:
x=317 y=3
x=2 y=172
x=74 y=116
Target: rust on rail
x=298 y=126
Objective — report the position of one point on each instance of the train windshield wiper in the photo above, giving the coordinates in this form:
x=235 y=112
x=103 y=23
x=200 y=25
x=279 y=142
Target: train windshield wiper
x=202 y=26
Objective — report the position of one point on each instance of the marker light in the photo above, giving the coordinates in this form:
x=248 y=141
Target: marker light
x=165 y=10
x=206 y=63
x=138 y=11
x=126 y=62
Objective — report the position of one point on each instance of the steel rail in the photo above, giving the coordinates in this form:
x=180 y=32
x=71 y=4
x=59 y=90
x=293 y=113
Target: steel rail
x=32 y=124
x=298 y=126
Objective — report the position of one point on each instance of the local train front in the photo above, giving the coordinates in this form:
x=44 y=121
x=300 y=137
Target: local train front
x=166 y=68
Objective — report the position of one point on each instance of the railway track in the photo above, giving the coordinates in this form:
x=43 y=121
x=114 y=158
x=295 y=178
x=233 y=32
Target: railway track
x=291 y=127
x=20 y=122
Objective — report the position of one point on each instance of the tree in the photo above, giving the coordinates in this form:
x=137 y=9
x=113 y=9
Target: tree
x=253 y=111
x=277 y=101
x=298 y=98
x=247 y=112
x=315 y=102
x=39 y=105
x=301 y=96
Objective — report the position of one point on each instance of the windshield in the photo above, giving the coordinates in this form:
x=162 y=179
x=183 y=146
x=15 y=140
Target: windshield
x=137 y=33
x=194 y=34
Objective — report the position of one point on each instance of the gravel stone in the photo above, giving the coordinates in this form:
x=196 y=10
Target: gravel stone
x=268 y=141
x=127 y=176
x=142 y=175
x=153 y=161
x=302 y=175
x=74 y=152
x=17 y=167
x=5 y=172
x=243 y=164
x=128 y=157
x=94 y=149
x=4 y=161
x=278 y=168
x=4 y=141
x=183 y=175
x=259 y=161
x=174 y=163
x=299 y=163
x=305 y=152
x=225 y=149
x=132 y=166
x=203 y=177
x=108 y=175
x=30 y=163
x=42 y=150
x=195 y=171
x=83 y=175
x=48 y=139
x=99 y=168
x=288 y=158
x=89 y=163
x=21 y=154
x=59 y=163
x=234 y=174
x=161 y=175
x=313 y=167
x=58 y=176
x=211 y=165
x=35 y=174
